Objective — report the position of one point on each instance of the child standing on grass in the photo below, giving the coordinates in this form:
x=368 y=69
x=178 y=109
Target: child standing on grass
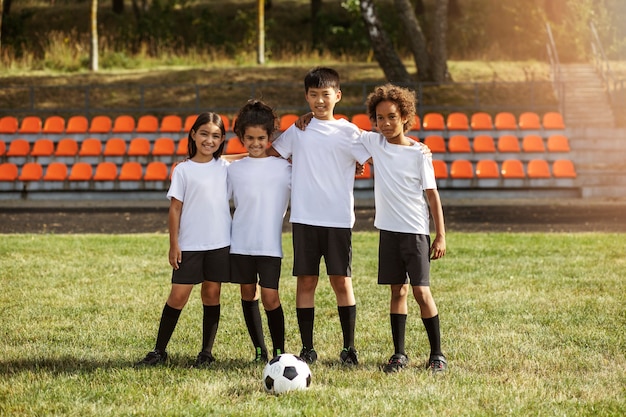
x=322 y=207
x=403 y=174
x=260 y=187
x=199 y=230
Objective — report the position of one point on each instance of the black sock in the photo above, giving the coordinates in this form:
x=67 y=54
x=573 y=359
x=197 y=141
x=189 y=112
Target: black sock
x=398 y=331
x=347 y=318
x=252 y=316
x=434 y=336
x=210 y=323
x=276 y=323
x=306 y=319
x=169 y=318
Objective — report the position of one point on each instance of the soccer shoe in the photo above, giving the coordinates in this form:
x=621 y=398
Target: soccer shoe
x=203 y=360
x=349 y=357
x=278 y=352
x=308 y=355
x=396 y=363
x=154 y=358
x=437 y=363
x=261 y=356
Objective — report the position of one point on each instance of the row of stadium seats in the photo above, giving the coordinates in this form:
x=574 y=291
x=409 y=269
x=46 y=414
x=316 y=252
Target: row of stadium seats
x=149 y=124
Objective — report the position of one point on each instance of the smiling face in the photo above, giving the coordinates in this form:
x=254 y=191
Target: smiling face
x=208 y=138
x=322 y=102
x=389 y=121
x=256 y=140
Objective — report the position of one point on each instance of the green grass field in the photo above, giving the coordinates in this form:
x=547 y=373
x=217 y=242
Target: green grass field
x=532 y=324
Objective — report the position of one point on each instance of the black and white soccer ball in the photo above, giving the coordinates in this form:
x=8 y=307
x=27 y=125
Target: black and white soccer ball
x=286 y=372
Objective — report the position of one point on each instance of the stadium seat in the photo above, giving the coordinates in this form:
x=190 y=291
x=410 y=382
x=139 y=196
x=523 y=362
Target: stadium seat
x=287 y=120
x=171 y=123
x=553 y=121
x=123 y=124
x=433 y=121
x=105 y=171
x=130 y=171
x=42 y=148
x=441 y=169
x=30 y=125
x=67 y=147
x=164 y=147
x=226 y=122
x=538 y=168
x=512 y=169
x=90 y=147
x=31 y=171
x=138 y=147
x=459 y=144
x=563 y=168
x=181 y=148
x=481 y=121
x=435 y=143
x=100 y=125
x=487 y=169
x=529 y=121
x=156 y=171
x=508 y=144
x=8 y=125
x=56 y=171
x=77 y=125
x=234 y=146
x=3 y=148
x=189 y=121
x=417 y=123
x=461 y=169
x=505 y=121
x=81 y=171
x=54 y=125
x=457 y=121
x=484 y=144
x=533 y=144
x=147 y=124
x=18 y=148
x=8 y=172
x=558 y=143
x=114 y=147
x=337 y=117
x=362 y=121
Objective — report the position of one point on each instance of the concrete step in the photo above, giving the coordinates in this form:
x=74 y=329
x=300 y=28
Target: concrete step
x=603 y=191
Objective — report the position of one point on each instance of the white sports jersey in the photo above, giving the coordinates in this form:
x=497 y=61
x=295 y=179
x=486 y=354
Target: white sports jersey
x=401 y=174
x=323 y=157
x=260 y=190
x=205 y=218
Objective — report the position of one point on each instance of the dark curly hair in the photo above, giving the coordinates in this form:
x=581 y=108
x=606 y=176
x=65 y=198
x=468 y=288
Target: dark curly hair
x=402 y=97
x=255 y=113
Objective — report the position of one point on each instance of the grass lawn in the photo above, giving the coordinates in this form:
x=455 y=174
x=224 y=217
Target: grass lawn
x=532 y=324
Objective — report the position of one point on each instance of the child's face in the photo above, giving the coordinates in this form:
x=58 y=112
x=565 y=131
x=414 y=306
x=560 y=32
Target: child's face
x=208 y=139
x=389 y=121
x=322 y=102
x=256 y=140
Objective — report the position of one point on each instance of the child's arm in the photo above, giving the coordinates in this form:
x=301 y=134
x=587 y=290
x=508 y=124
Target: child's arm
x=438 y=247
x=175 y=255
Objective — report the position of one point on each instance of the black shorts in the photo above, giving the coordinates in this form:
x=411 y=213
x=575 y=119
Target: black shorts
x=206 y=265
x=244 y=269
x=402 y=258
x=310 y=243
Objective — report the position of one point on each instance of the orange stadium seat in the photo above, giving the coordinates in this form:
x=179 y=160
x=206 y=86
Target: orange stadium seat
x=156 y=171
x=189 y=121
x=533 y=143
x=433 y=121
x=441 y=169
x=362 y=121
x=481 y=121
x=30 y=125
x=435 y=143
x=105 y=171
x=337 y=116
x=226 y=122
x=90 y=147
x=538 y=168
x=484 y=144
x=81 y=171
x=8 y=125
x=181 y=148
x=56 y=171
x=529 y=121
x=563 y=168
x=508 y=143
x=457 y=121
x=487 y=168
x=18 y=148
x=171 y=123
x=164 y=147
x=114 y=147
x=53 y=125
x=123 y=123
x=66 y=147
x=147 y=124
x=505 y=121
x=234 y=146
x=3 y=148
x=42 y=147
x=100 y=124
x=31 y=171
x=459 y=144
x=553 y=121
x=8 y=171
x=558 y=143
x=512 y=169
x=130 y=171
x=461 y=169
x=287 y=120
x=77 y=125
x=138 y=147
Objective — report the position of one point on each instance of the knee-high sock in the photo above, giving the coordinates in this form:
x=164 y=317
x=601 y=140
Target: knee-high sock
x=347 y=318
x=398 y=331
x=434 y=335
x=276 y=324
x=210 y=323
x=306 y=319
x=252 y=316
x=169 y=319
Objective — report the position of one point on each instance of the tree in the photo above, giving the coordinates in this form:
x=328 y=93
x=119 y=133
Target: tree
x=1 y=13
x=118 y=6
x=94 y=36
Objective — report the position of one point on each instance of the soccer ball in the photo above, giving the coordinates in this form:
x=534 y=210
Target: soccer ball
x=286 y=372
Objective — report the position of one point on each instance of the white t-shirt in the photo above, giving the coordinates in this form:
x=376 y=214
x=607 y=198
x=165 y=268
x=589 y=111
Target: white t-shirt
x=323 y=158
x=205 y=218
x=260 y=190
x=401 y=174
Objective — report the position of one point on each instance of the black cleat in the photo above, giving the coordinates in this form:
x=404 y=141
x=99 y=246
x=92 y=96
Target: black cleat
x=437 y=363
x=154 y=358
x=261 y=356
x=308 y=355
x=396 y=363
x=203 y=360
x=349 y=356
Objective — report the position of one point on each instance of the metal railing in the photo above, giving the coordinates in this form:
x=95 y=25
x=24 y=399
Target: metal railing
x=555 y=69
